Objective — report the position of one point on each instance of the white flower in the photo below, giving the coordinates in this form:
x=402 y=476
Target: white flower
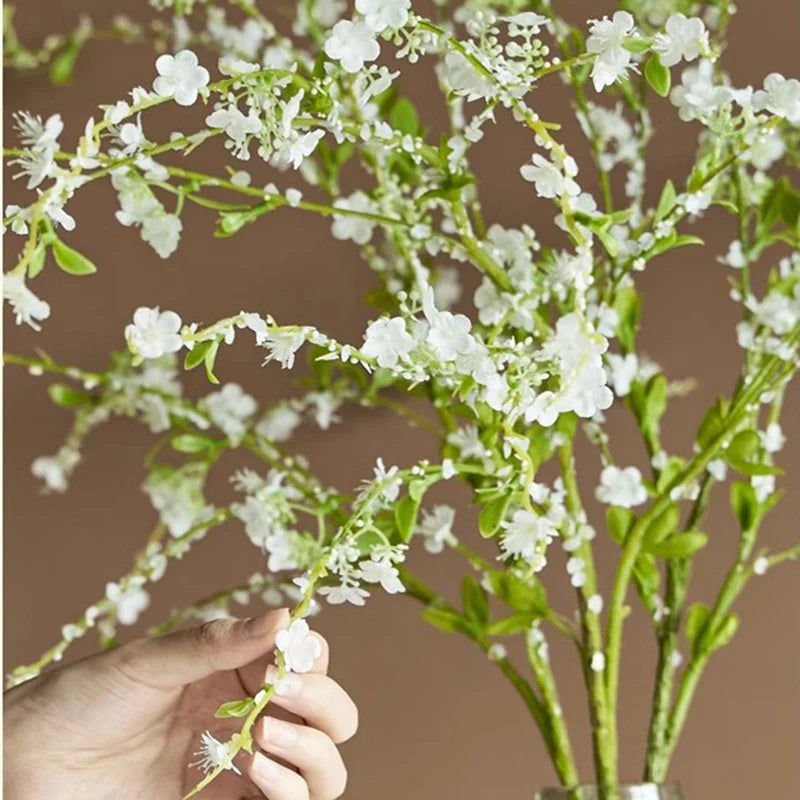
x=780 y=96
x=128 y=604
x=464 y=78
x=760 y=566
x=496 y=652
x=718 y=469
x=447 y=289
x=698 y=96
x=621 y=487
x=437 y=528
x=38 y=135
x=299 y=647
x=576 y=569
x=298 y=147
x=764 y=486
x=27 y=307
x=54 y=470
x=382 y=571
x=387 y=341
x=607 y=40
x=280 y=546
x=116 y=113
x=772 y=438
x=623 y=371
x=282 y=346
x=230 y=410
x=154 y=333
x=179 y=76
x=382 y=14
x=344 y=593
x=350 y=226
x=279 y=424
x=448 y=469
x=324 y=406
x=548 y=180
x=178 y=497
x=237 y=127
x=388 y=477
x=213 y=754
x=684 y=39
x=595 y=604
x=351 y=44
x=163 y=233
x=598 y=662
x=449 y=335
x=528 y=19
x=526 y=536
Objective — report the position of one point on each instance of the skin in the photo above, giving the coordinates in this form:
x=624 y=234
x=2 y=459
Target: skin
x=124 y=724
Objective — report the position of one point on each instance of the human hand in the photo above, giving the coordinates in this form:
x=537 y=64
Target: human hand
x=125 y=724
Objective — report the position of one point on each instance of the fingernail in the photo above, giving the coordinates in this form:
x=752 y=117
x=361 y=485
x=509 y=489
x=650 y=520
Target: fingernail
x=261 y=625
x=265 y=768
x=280 y=733
x=288 y=686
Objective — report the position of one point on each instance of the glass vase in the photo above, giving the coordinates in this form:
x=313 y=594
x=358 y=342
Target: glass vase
x=639 y=791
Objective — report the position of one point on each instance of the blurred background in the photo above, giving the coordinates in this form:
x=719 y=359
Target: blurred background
x=437 y=721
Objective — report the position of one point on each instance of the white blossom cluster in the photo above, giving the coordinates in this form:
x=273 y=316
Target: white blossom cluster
x=509 y=369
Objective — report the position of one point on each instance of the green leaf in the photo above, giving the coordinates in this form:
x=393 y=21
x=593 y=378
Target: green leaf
x=695 y=623
x=627 y=304
x=669 y=472
x=609 y=242
x=744 y=445
x=739 y=455
x=404 y=117
x=666 y=202
x=662 y=526
x=686 y=239
x=63 y=65
x=67 y=397
x=191 y=443
x=235 y=708
x=492 y=515
x=507 y=626
x=620 y=521
x=36 y=264
x=745 y=505
x=680 y=545
x=637 y=44
x=405 y=517
x=209 y=359
x=528 y=596
x=417 y=488
x=657 y=75
x=196 y=355
x=231 y=222
x=724 y=632
x=72 y=261
x=647 y=577
x=654 y=406
x=474 y=600
x=447 y=621
x=712 y=425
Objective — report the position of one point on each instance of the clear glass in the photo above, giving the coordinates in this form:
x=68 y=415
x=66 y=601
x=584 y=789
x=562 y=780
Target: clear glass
x=639 y=791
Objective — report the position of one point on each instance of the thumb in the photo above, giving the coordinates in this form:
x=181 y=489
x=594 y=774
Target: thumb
x=187 y=656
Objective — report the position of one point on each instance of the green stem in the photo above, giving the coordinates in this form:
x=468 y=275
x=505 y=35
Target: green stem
x=632 y=545
x=603 y=744
x=541 y=713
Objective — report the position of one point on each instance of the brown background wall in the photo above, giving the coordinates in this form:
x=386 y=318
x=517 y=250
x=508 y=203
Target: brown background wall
x=437 y=722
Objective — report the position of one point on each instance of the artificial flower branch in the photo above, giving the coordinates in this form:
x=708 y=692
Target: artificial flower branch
x=551 y=346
